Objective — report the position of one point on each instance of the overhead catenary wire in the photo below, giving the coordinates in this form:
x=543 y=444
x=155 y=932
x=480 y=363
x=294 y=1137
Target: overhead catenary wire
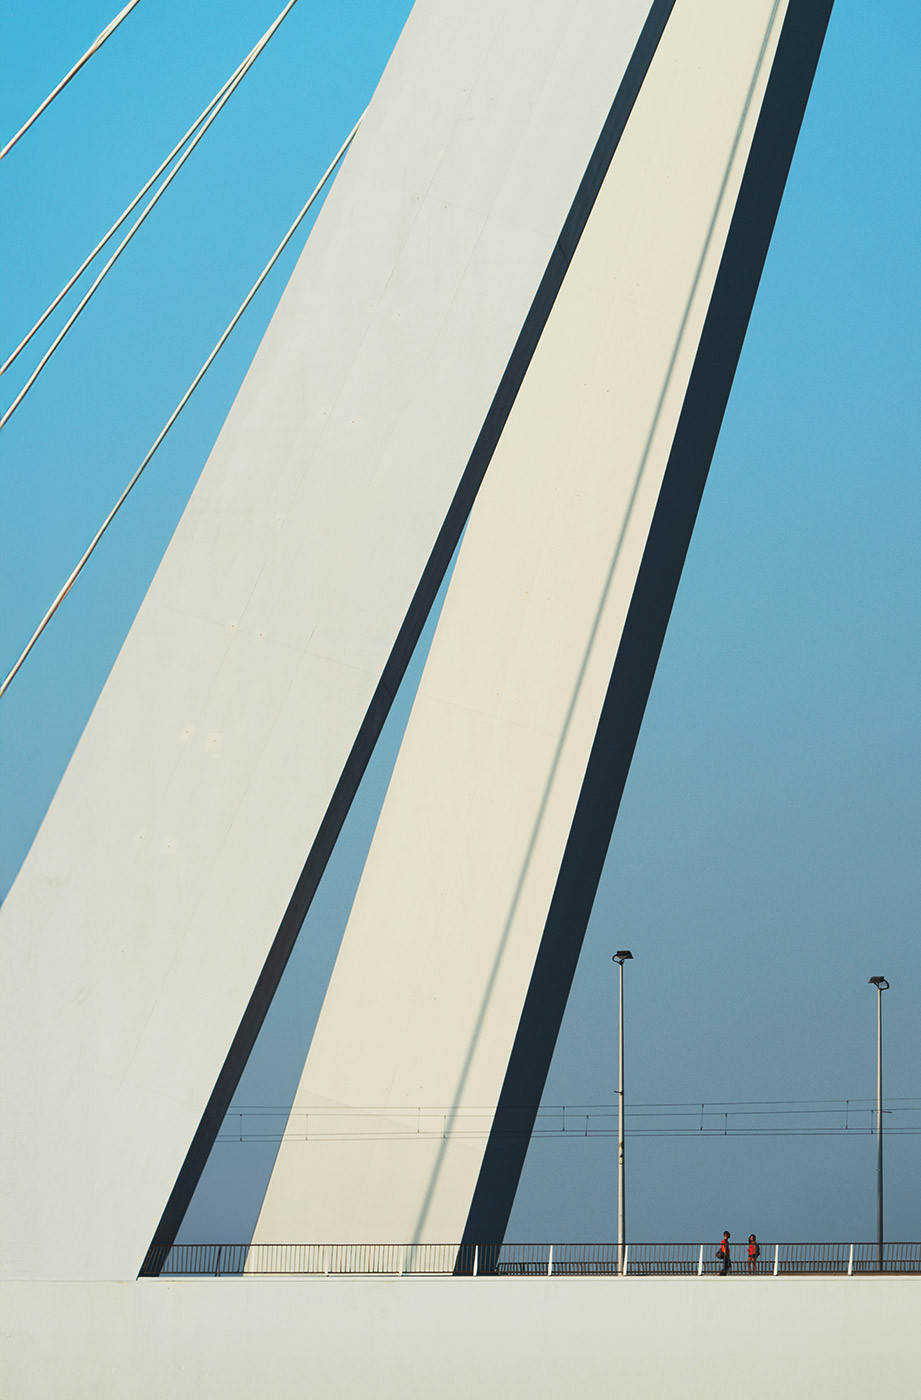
x=164 y=165
x=514 y=1134
x=75 y=573
x=711 y=1105
x=219 y=103
x=313 y=1123
x=93 y=48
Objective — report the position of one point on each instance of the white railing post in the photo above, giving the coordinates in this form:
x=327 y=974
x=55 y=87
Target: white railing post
x=626 y=1254
x=402 y=1260
x=325 y=1261
x=476 y=1256
x=700 y=1262
x=776 y=1258
x=850 y=1262
x=550 y=1263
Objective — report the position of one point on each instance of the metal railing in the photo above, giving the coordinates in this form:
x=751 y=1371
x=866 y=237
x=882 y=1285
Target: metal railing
x=525 y=1260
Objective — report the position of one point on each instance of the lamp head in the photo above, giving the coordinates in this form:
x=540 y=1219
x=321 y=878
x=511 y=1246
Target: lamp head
x=622 y=957
x=880 y=984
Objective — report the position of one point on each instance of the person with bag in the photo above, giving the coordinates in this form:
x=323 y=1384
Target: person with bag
x=754 y=1249
x=723 y=1254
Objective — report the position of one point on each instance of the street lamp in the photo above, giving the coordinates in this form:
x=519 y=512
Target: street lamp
x=881 y=986
x=620 y=959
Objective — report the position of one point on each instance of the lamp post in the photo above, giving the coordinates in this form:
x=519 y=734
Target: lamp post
x=881 y=986
x=620 y=959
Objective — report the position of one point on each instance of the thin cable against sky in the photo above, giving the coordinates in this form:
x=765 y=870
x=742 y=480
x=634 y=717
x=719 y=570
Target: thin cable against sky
x=93 y=48
x=75 y=574
x=232 y=85
x=164 y=165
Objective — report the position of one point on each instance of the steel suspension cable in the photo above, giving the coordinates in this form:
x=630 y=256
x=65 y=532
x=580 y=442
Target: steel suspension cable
x=164 y=165
x=75 y=574
x=219 y=103
x=94 y=48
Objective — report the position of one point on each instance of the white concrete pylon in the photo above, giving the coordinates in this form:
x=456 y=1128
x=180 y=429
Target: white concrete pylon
x=150 y=923
x=450 y=984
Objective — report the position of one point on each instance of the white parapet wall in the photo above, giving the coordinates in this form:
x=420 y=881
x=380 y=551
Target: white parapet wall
x=398 y=1339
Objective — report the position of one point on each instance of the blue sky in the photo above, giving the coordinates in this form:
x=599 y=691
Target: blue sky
x=767 y=859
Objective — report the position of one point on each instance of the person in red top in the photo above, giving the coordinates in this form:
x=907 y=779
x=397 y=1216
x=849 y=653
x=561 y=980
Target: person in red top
x=754 y=1249
x=723 y=1253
